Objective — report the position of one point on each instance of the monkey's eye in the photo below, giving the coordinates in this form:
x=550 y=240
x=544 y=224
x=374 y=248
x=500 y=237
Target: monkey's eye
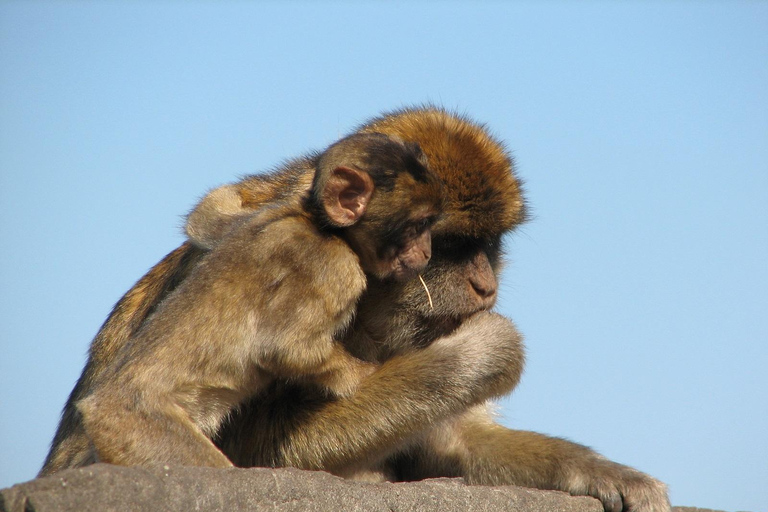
x=412 y=229
x=423 y=224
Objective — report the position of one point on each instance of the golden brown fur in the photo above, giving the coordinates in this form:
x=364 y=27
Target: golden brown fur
x=71 y=447
x=266 y=303
x=423 y=413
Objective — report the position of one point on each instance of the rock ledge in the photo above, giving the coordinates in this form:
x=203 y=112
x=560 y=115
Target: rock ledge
x=106 y=488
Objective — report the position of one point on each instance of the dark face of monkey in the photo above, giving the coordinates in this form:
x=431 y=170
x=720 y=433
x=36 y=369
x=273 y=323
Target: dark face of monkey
x=378 y=192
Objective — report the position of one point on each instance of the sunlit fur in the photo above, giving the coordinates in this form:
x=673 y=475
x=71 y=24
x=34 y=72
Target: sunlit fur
x=484 y=195
x=265 y=304
x=423 y=413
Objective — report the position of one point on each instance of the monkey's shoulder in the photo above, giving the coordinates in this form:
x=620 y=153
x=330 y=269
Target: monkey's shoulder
x=294 y=244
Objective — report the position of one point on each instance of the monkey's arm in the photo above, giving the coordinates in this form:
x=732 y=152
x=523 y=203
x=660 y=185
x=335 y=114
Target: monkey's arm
x=473 y=446
x=306 y=285
x=407 y=395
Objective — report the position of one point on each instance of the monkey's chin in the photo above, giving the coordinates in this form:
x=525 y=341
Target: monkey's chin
x=402 y=274
x=447 y=322
x=450 y=324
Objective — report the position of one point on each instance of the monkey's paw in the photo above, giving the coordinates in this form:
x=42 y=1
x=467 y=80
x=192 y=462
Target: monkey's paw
x=491 y=353
x=620 y=488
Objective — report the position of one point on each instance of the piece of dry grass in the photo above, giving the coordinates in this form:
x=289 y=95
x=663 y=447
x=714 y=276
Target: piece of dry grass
x=429 y=296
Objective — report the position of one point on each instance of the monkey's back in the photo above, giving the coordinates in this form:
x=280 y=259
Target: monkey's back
x=267 y=303
x=305 y=283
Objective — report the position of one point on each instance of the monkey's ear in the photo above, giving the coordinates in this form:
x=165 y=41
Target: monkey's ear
x=346 y=195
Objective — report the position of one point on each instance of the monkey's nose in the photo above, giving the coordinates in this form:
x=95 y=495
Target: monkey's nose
x=484 y=289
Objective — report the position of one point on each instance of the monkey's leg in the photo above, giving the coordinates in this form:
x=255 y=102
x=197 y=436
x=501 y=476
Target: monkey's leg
x=485 y=453
x=135 y=436
x=71 y=447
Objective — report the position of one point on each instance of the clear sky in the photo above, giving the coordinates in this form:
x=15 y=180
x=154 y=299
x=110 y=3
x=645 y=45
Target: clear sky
x=641 y=130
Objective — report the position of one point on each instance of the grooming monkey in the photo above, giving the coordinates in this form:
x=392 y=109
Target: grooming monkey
x=423 y=411
x=267 y=304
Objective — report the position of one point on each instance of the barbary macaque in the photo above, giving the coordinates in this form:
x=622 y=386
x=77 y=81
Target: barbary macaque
x=267 y=303
x=423 y=413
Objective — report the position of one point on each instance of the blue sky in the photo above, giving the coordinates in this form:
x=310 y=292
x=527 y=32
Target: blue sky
x=641 y=130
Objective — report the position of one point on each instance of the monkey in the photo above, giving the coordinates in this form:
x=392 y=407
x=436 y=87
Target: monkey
x=267 y=304
x=424 y=410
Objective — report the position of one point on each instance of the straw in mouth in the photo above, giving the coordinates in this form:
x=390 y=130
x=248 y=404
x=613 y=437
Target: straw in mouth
x=429 y=296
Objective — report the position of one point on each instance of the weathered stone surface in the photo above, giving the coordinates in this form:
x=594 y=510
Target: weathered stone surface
x=105 y=488
x=693 y=509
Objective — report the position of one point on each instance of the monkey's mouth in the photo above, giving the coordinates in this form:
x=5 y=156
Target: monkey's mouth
x=404 y=270
x=403 y=273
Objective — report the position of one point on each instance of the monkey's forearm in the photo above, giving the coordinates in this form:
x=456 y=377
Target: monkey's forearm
x=482 y=452
x=497 y=456
x=483 y=358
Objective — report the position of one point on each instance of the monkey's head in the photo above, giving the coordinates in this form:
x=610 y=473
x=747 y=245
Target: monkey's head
x=483 y=202
x=378 y=193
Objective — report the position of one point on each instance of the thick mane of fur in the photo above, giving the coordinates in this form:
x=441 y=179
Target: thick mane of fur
x=485 y=197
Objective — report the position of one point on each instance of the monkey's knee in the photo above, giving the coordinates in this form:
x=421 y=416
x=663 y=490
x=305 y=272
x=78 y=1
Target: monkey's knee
x=93 y=419
x=87 y=409
x=107 y=424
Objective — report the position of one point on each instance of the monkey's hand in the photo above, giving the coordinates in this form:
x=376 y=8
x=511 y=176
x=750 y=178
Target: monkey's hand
x=345 y=373
x=491 y=352
x=619 y=487
x=518 y=457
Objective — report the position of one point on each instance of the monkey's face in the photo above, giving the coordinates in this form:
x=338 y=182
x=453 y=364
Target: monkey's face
x=461 y=280
x=404 y=261
x=401 y=253
x=464 y=274
x=408 y=259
